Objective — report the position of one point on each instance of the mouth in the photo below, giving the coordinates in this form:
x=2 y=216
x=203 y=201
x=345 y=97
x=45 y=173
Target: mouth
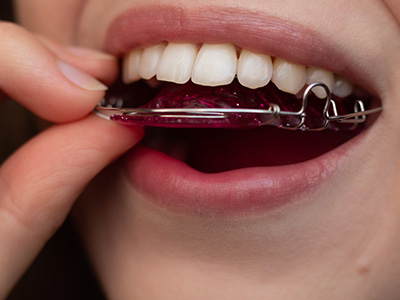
x=218 y=170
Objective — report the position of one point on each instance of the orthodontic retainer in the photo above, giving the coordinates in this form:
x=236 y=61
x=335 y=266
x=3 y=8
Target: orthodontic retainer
x=240 y=117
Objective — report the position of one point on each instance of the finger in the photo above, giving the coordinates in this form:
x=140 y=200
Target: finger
x=98 y=64
x=32 y=75
x=40 y=182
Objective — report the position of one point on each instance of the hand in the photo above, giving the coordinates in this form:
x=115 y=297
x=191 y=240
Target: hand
x=40 y=182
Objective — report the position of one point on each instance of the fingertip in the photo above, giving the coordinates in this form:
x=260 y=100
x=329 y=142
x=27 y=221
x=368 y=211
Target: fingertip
x=81 y=79
x=32 y=75
x=98 y=64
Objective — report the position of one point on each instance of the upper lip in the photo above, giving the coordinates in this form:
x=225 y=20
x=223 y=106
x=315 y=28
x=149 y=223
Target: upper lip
x=148 y=25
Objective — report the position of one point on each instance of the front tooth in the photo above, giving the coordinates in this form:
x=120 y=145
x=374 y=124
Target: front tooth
x=176 y=63
x=254 y=70
x=319 y=75
x=131 y=66
x=342 y=87
x=289 y=77
x=150 y=59
x=215 y=65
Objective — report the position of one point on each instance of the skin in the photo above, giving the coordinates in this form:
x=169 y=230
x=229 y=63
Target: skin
x=342 y=243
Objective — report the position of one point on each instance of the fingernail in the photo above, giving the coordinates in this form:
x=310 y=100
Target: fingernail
x=80 y=78
x=90 y=54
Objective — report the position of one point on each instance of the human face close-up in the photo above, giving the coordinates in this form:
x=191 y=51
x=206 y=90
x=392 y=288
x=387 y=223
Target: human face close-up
x=261 y=213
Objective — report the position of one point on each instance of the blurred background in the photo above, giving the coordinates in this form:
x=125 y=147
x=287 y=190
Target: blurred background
x=6 y=10
x=61 y=271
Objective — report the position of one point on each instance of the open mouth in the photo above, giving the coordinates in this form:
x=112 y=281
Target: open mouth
x=225 y=76
x=208 y=168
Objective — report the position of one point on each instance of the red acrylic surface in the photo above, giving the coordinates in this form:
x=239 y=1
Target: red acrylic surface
x=190 y=95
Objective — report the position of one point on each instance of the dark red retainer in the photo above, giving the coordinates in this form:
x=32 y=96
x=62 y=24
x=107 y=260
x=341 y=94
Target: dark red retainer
x=190 y=95
x=211 y=148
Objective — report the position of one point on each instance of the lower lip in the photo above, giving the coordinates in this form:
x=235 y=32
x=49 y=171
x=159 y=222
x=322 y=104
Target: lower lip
x=173 y=185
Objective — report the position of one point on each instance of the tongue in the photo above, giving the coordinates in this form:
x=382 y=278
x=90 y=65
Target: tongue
x=234 y=95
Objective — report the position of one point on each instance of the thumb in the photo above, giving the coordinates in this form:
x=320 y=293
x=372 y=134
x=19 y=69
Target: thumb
x=40 y=182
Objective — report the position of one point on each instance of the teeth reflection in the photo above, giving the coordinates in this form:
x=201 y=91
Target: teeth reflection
x=149 y=61
x=320 y=75
x=342 y=87
x=289 y=77
x=176 y=63
x=215 y=65
x=254 y=70
x=131 y=66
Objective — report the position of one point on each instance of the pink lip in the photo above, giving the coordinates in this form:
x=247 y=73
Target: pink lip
x=172 y=184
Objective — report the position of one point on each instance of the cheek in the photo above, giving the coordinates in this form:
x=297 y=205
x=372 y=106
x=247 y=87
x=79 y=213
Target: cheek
x=54 y=19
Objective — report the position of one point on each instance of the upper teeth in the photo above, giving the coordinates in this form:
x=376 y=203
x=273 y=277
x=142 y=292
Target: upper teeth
x=214 y=65
x=289 y=77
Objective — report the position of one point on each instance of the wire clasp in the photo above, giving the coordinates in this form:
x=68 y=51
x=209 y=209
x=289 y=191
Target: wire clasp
x=184 y=117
